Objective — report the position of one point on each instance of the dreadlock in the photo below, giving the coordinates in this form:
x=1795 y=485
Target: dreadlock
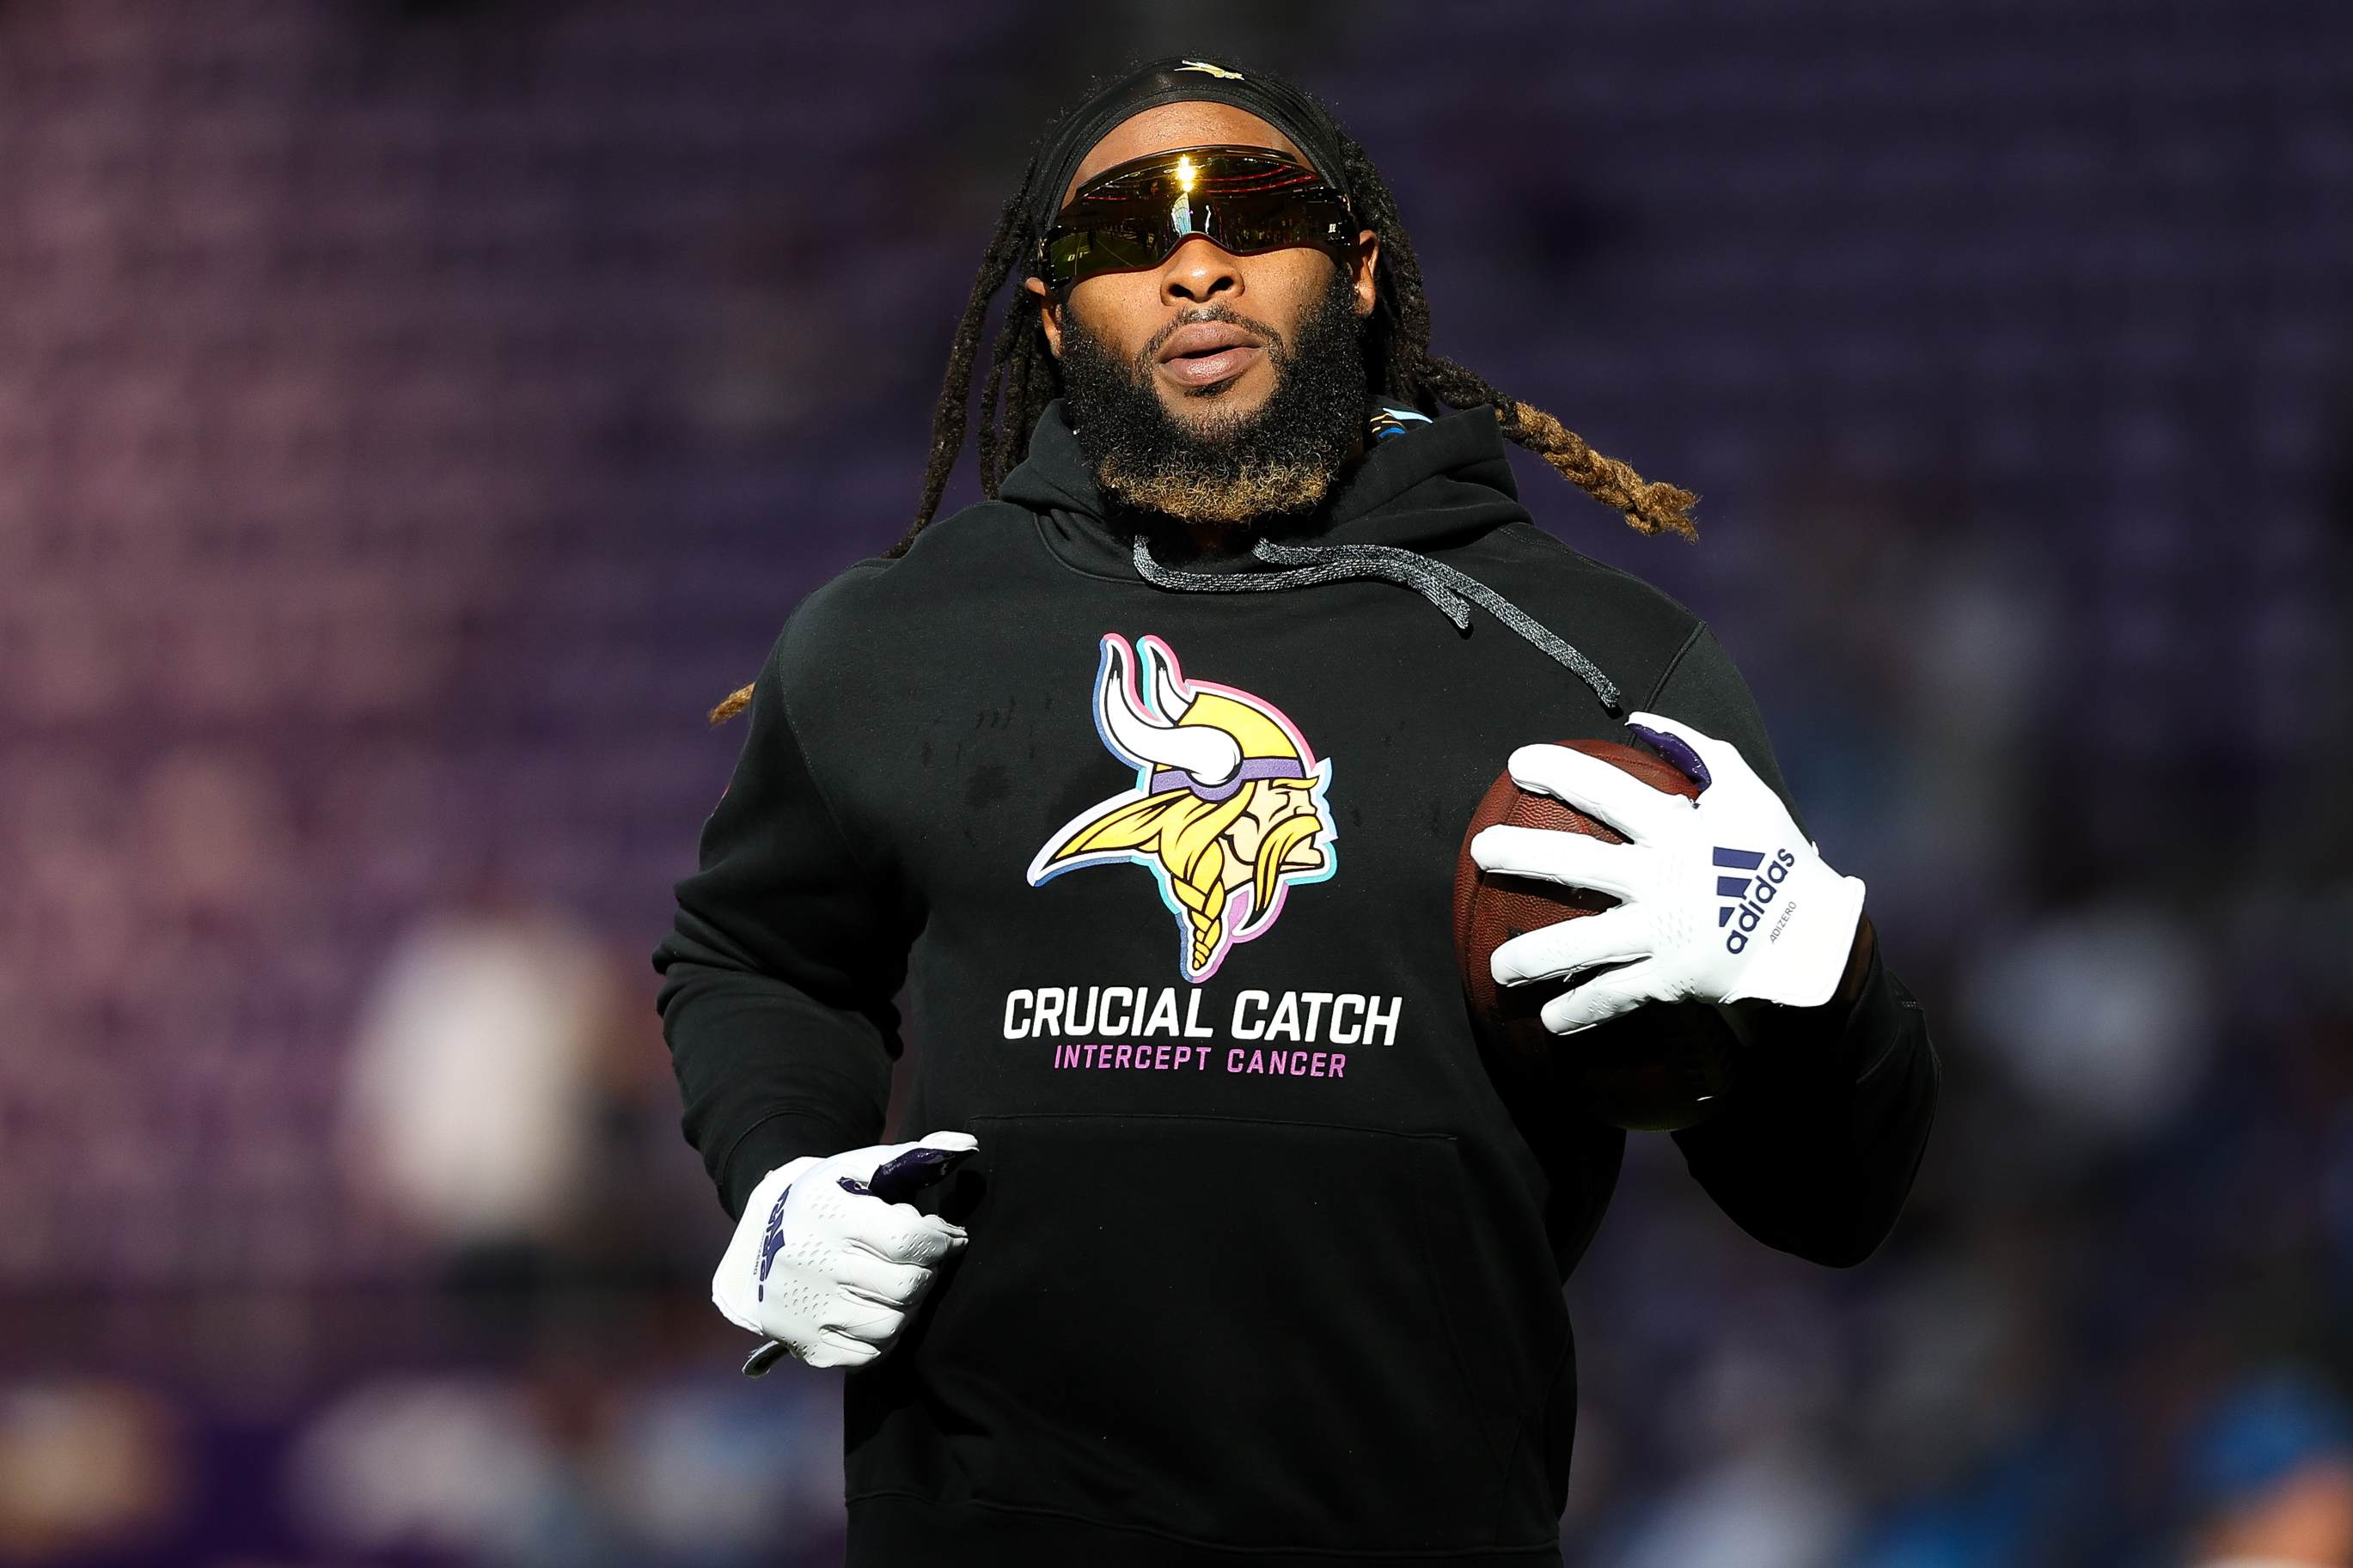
x=1023 y=377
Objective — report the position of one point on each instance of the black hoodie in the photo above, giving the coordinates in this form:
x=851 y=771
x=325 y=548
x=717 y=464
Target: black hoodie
x=1264 y=1266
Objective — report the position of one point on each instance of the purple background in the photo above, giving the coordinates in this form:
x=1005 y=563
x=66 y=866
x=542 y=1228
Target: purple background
x=413 y=415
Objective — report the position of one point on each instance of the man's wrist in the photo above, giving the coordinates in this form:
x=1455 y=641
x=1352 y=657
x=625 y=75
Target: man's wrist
x=1858 y=964
x=1851 y=979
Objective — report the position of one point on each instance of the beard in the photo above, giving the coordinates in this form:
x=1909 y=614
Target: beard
x=1224 y=470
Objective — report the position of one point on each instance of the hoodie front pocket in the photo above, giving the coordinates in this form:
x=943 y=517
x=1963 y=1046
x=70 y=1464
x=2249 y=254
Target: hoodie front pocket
x=1229 y=1330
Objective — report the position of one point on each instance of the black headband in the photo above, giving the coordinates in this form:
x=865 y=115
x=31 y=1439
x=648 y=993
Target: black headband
x=1280 y=104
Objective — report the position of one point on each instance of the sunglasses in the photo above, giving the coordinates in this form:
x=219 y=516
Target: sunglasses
x=1243 y=200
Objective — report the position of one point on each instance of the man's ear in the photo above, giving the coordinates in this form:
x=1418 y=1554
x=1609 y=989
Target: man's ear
x=1362 y=262
x=1049 y=314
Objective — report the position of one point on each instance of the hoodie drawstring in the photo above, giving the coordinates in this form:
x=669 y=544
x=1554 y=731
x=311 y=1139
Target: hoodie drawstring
x=1442 y=584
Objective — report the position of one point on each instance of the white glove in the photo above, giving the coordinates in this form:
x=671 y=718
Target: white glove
x=1720 y=898
x=825 y=1267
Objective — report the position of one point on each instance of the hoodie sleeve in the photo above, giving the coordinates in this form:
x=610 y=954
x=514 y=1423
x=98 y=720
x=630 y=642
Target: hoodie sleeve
x=1816 y=1153
x=780 y=970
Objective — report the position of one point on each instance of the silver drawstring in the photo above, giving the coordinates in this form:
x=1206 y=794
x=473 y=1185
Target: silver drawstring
x=1313 y=565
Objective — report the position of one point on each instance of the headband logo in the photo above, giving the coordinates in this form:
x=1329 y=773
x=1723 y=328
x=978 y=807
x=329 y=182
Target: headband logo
x=1208 y=69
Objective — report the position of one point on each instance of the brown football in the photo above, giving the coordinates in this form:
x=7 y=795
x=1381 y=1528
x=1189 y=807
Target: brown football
x=1658 y=1067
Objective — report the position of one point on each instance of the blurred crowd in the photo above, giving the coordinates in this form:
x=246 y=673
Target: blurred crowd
x=413 y=413
x=2114 y=1326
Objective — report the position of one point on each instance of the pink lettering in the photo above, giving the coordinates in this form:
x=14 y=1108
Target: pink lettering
x=1124 y=1051
x=1315 y=1065
x=1299 y=1063
x=1339 y=1061
x=1278 y=1061
x=1160 y=1056
x=1257 y=1064
x=1183 y=1055
x=1234 y=1059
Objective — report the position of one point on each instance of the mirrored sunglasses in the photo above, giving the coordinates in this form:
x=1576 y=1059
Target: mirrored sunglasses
x=1243 y=200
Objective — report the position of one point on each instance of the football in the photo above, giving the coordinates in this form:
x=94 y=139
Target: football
x=1657 y=1068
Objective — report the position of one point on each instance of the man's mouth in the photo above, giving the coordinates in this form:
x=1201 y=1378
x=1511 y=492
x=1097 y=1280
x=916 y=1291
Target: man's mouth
x=1203 y=353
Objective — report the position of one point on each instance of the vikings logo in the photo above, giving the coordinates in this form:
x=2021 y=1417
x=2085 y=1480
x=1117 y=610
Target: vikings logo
x=1228 y=810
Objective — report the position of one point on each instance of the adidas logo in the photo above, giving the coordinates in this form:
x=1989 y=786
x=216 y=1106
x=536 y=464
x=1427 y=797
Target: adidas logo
x=1746 y=897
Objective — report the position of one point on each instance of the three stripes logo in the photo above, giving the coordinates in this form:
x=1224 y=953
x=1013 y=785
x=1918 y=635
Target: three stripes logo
x=1746 y=897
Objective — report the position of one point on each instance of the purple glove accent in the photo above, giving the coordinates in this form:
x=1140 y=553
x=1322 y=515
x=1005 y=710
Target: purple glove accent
x=898 y=1179
x=771 y=1240
x=1687 y=761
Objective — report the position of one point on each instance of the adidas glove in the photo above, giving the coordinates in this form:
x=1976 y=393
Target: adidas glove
x=1720 y=898
x=826 y=1263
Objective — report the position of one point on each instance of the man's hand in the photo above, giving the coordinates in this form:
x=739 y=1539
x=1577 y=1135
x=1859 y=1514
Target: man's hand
x=826 y=1263
x=1721 y=899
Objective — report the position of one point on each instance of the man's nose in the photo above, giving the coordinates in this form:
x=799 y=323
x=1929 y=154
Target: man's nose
x=1198 y=272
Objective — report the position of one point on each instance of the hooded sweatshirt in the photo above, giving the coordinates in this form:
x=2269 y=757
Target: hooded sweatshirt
x=1266 y=1257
